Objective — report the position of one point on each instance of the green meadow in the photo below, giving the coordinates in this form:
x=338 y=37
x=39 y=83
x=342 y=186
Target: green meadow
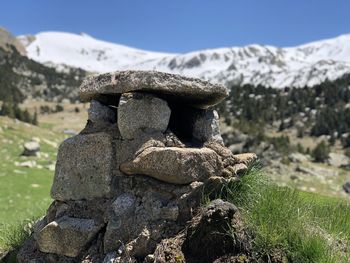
x=24 y=191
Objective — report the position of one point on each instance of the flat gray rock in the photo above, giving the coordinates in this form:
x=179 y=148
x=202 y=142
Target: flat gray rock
x=192 y=91
x=67 y=235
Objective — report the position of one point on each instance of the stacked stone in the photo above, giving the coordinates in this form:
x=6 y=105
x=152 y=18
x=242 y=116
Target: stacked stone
x=135 y=174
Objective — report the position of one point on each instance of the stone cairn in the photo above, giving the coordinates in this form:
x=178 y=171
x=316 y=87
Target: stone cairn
x=135 y=174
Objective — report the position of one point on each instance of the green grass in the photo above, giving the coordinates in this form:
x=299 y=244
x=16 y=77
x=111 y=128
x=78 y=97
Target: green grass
x=303 y=227
x=13 y=236
x=24 y=192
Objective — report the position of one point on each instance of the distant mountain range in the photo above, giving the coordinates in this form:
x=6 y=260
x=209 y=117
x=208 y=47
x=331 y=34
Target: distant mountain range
x=305 y=65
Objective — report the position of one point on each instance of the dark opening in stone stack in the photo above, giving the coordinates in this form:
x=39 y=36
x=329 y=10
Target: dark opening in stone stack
x=135 y=174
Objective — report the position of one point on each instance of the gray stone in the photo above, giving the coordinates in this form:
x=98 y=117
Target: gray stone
x=192 y=91
x=31 y=148
x=38 y=226
x=245 y=158
x=298 y=158
x=238 y=169
x=67 y=236
x=346 y=187
x=123 y=205
x=110 y=257
x=175 y=165
x=101 y=113
x=120 y=226
x=169 y=212
x=142 y=113
x=206 y=126
x=338 y=160
x=171 y=140
x=84 y=168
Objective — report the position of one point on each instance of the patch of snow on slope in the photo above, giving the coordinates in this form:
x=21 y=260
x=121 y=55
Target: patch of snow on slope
x=83 y=51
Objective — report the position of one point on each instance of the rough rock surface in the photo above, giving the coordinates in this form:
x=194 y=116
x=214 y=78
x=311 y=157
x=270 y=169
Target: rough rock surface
x=31 y=148
x=246 y=158
x=338 y=160
x=175 y=165
x=85 y=167
x=101 y=113
x=207 y=237
x=192 y=91
x=346 y=187
x=206 y=126
x=67 y=236
x=142 y=113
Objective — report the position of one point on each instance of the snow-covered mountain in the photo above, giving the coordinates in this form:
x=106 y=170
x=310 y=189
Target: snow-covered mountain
x=305 y=65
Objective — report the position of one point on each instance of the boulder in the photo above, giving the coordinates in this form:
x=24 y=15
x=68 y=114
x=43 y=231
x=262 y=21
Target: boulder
x=206 y=126
x=142 y=113
x=175 y=165
x=101 y=113
x=338 y=160
x=194 y=92
x=298 y=158
x=67 y=235
x=346 y=187
x=31 y=148
x=84 y=168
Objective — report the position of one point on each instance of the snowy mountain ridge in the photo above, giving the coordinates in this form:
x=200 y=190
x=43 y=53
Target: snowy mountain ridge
x=304 y=65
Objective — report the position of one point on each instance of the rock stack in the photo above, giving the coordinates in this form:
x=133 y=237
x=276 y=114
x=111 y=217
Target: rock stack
x=135 y=174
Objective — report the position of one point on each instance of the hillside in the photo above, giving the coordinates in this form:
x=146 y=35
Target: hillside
x=305 y=65
x=22 y=77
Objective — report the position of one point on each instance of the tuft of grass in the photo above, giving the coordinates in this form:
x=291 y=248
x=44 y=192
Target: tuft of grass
x=12 y=236
x=303 y=227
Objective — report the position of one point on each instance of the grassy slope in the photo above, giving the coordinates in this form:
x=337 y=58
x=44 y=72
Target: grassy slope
x=301 y=226
x=24 y=192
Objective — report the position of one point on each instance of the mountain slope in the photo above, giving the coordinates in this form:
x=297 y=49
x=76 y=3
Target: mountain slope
x=22 y=78
x=83 y=51
x=305 y=65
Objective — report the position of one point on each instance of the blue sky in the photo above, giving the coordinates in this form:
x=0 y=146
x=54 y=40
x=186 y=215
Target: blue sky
x=183 y=25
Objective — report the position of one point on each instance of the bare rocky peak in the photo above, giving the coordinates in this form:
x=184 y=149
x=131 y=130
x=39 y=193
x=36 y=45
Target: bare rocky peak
x=7 y=40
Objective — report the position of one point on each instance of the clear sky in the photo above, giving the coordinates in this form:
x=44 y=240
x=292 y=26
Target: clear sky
x=182 y=25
